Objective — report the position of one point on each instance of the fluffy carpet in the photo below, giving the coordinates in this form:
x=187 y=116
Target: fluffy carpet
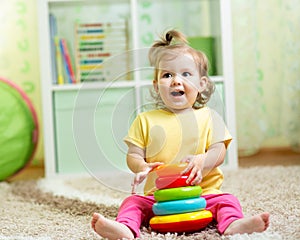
x=61 y=208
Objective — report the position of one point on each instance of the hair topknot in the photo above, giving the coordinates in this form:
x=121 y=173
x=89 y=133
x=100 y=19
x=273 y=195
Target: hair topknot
x=171 y=37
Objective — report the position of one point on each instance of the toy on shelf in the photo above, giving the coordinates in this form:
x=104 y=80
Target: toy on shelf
x=96 y=45
x=179 y=207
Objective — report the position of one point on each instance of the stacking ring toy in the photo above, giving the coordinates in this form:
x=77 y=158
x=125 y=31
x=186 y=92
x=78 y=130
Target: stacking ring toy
x=171 y=182
x=179 y=206
x=171 y=194
x=184 y=222
x=170 y=169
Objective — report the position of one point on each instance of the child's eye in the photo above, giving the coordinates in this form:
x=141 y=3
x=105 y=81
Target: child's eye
x=186 y=74
x=167 y=75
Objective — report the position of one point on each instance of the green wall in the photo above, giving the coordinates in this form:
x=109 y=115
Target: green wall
x=19 y=60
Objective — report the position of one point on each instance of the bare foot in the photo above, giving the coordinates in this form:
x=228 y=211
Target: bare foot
x=110 y=229
x=257 y=223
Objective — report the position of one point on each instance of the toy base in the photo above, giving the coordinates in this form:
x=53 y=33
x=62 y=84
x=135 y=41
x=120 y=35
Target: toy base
x=185 y=222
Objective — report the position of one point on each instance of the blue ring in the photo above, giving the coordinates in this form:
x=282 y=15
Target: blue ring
x=179 y=206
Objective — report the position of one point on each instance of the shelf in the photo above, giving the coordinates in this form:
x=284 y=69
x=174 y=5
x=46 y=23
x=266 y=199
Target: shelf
x=85 y=1
x=93 y=85
x=145 y=21
x=116 y=84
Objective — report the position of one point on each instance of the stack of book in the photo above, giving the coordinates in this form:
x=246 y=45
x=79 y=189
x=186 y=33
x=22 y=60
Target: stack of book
x=101 y=51
x=62 y=64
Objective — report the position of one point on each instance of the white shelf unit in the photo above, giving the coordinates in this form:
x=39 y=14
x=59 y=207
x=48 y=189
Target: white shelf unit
x=217 y=15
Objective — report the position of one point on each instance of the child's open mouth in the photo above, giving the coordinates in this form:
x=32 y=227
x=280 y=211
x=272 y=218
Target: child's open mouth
x=179 y=93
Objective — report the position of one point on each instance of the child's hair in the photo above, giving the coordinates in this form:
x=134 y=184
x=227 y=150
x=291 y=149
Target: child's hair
x=172 y=44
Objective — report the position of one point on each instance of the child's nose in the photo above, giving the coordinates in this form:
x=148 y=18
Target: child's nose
x=177 y=80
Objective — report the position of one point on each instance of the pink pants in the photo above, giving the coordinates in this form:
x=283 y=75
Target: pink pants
x=136 y=211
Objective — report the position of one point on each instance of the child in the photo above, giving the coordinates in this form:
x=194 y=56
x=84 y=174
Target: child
x=182 y=129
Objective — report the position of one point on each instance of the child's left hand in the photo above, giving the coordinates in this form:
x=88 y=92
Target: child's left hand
x=140 y=177
x=195 y=166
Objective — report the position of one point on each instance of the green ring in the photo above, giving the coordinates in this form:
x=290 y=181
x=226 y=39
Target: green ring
x=177 y=193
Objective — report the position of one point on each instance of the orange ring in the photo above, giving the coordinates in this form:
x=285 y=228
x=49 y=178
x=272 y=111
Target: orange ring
x=170 y=169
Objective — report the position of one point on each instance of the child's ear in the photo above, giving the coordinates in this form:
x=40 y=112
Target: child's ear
x=155 y=85
x=203 y=83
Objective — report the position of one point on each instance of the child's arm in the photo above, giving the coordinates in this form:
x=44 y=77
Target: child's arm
x=136 y=162
x=136 y=158
x=200 y=165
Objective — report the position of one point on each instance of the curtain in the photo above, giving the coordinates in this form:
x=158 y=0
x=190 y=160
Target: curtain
x=266 y=43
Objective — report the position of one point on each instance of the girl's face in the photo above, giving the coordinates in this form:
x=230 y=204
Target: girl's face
x=179 y=82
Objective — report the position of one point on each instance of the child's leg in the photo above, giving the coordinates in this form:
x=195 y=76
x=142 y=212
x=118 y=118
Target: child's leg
x=257 y=223
x=225 y=208
x=110 y=229
x=134 y=211
x=227 y=212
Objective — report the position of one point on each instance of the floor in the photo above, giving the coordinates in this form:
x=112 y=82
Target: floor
x=266 y=157
x=271 y=157
x=28 y=173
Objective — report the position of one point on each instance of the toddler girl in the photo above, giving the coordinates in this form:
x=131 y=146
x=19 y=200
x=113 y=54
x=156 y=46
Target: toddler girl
x=181 y=129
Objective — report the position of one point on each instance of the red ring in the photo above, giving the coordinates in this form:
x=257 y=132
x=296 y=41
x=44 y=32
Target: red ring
x=171 y=181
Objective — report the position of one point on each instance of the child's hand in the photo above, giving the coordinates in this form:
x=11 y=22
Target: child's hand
x=140 y=177
x=195 y=166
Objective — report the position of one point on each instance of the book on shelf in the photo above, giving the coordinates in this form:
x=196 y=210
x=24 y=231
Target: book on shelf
x=67 y=61
x=101 y=50
x=64 y=69
x=53 y=33
x=61 y=61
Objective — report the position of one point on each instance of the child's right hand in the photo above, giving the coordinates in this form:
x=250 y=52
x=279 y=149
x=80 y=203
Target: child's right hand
x=140 y=177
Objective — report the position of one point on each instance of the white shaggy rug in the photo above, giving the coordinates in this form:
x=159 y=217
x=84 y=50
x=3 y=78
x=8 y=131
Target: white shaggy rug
x=61 y=208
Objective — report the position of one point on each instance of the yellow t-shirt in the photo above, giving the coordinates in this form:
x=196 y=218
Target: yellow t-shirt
x=168 y=137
